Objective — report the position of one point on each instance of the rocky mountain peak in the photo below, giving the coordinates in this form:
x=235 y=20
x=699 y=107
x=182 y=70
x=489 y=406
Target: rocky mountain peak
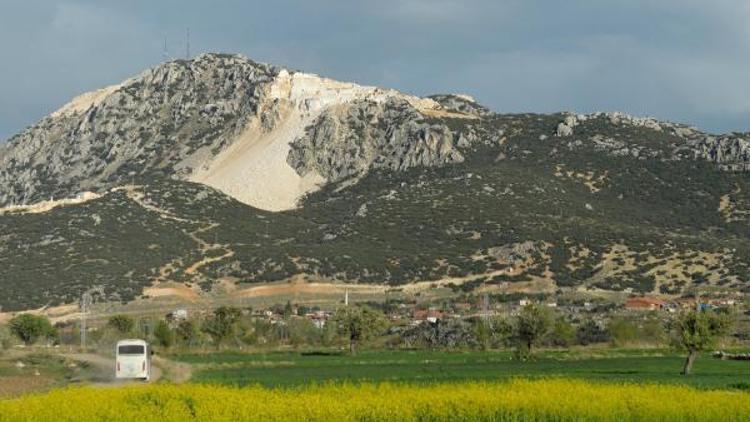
x=222 y=120
x=155 y=122
x=268 y=136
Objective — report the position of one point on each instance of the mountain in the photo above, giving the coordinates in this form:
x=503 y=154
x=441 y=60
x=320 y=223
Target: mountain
x=224 y=169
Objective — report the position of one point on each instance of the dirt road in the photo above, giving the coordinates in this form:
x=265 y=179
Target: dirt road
x=103 y=374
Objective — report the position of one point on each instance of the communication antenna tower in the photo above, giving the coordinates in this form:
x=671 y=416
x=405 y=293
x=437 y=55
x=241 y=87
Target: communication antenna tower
x=165 y=53
x=187 y=44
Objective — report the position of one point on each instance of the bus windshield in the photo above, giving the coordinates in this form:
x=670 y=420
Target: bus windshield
x=131 y=349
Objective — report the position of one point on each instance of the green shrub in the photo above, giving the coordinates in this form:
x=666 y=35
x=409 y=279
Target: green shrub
x=123 y=324
x=31 y=328
x=164 y=335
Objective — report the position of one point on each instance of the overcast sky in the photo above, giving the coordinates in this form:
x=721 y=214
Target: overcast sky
x=682 y=60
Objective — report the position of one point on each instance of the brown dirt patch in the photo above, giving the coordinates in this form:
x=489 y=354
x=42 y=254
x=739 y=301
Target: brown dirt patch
x=172 y=289
x=23 y=384
x=301 y=287
x=594 y=181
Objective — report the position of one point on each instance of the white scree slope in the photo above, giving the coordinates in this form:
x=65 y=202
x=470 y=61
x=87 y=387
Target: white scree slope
x=254 y=168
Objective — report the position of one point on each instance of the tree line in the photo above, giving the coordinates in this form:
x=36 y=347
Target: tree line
x=692 y=331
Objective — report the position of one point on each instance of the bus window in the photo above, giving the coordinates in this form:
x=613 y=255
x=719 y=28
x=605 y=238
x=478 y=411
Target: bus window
x=131 y=349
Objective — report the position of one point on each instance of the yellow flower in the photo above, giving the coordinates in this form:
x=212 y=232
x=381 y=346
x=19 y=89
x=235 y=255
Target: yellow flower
x=517 y=400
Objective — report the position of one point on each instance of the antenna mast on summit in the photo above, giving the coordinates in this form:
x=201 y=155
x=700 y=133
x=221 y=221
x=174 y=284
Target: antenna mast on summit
x=187 y=44
x=165 y=54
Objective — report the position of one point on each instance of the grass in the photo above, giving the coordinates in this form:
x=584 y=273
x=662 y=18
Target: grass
x=292 y=369
x=39 y=372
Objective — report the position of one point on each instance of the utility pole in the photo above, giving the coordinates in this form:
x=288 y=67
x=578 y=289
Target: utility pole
x=697 y=301
x=485 y=302
x=486 y=306
x=216 y=229
x=86 y=301
x=346 y=297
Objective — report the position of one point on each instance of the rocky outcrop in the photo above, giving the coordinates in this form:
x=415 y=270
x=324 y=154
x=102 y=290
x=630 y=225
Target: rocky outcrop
x=461 y=103
x=348 y=141
x=164 y=120
x=617 y=118
x=731 y=153
x=565 y=128
x=227 y=122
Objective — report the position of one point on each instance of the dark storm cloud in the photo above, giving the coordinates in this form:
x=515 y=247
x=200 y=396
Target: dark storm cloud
x=681 y=60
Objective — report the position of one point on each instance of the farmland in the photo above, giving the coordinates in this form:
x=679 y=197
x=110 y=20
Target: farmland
x=326 y=384
x=285 y=369
x=558 y=400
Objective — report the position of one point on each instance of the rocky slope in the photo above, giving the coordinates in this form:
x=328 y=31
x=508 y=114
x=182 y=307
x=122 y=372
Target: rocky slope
x=221 y=120
x=162 y=121
x=220 y=168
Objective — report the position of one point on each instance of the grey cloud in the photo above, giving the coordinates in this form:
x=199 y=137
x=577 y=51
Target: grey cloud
x=681 y=60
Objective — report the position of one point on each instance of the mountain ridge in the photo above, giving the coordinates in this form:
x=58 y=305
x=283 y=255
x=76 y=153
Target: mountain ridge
x=254 y=107
x=223 y=169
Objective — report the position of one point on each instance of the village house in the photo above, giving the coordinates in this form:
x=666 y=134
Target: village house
x=724 y=302
x=644 y=304
x=430 y=315
x=318 y=318
x=176 y=316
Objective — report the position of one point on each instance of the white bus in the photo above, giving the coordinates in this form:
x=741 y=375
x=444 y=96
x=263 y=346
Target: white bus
x=133 y=360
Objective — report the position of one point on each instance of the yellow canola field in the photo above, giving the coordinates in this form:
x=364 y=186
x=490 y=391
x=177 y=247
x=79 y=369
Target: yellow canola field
x=518 y=400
